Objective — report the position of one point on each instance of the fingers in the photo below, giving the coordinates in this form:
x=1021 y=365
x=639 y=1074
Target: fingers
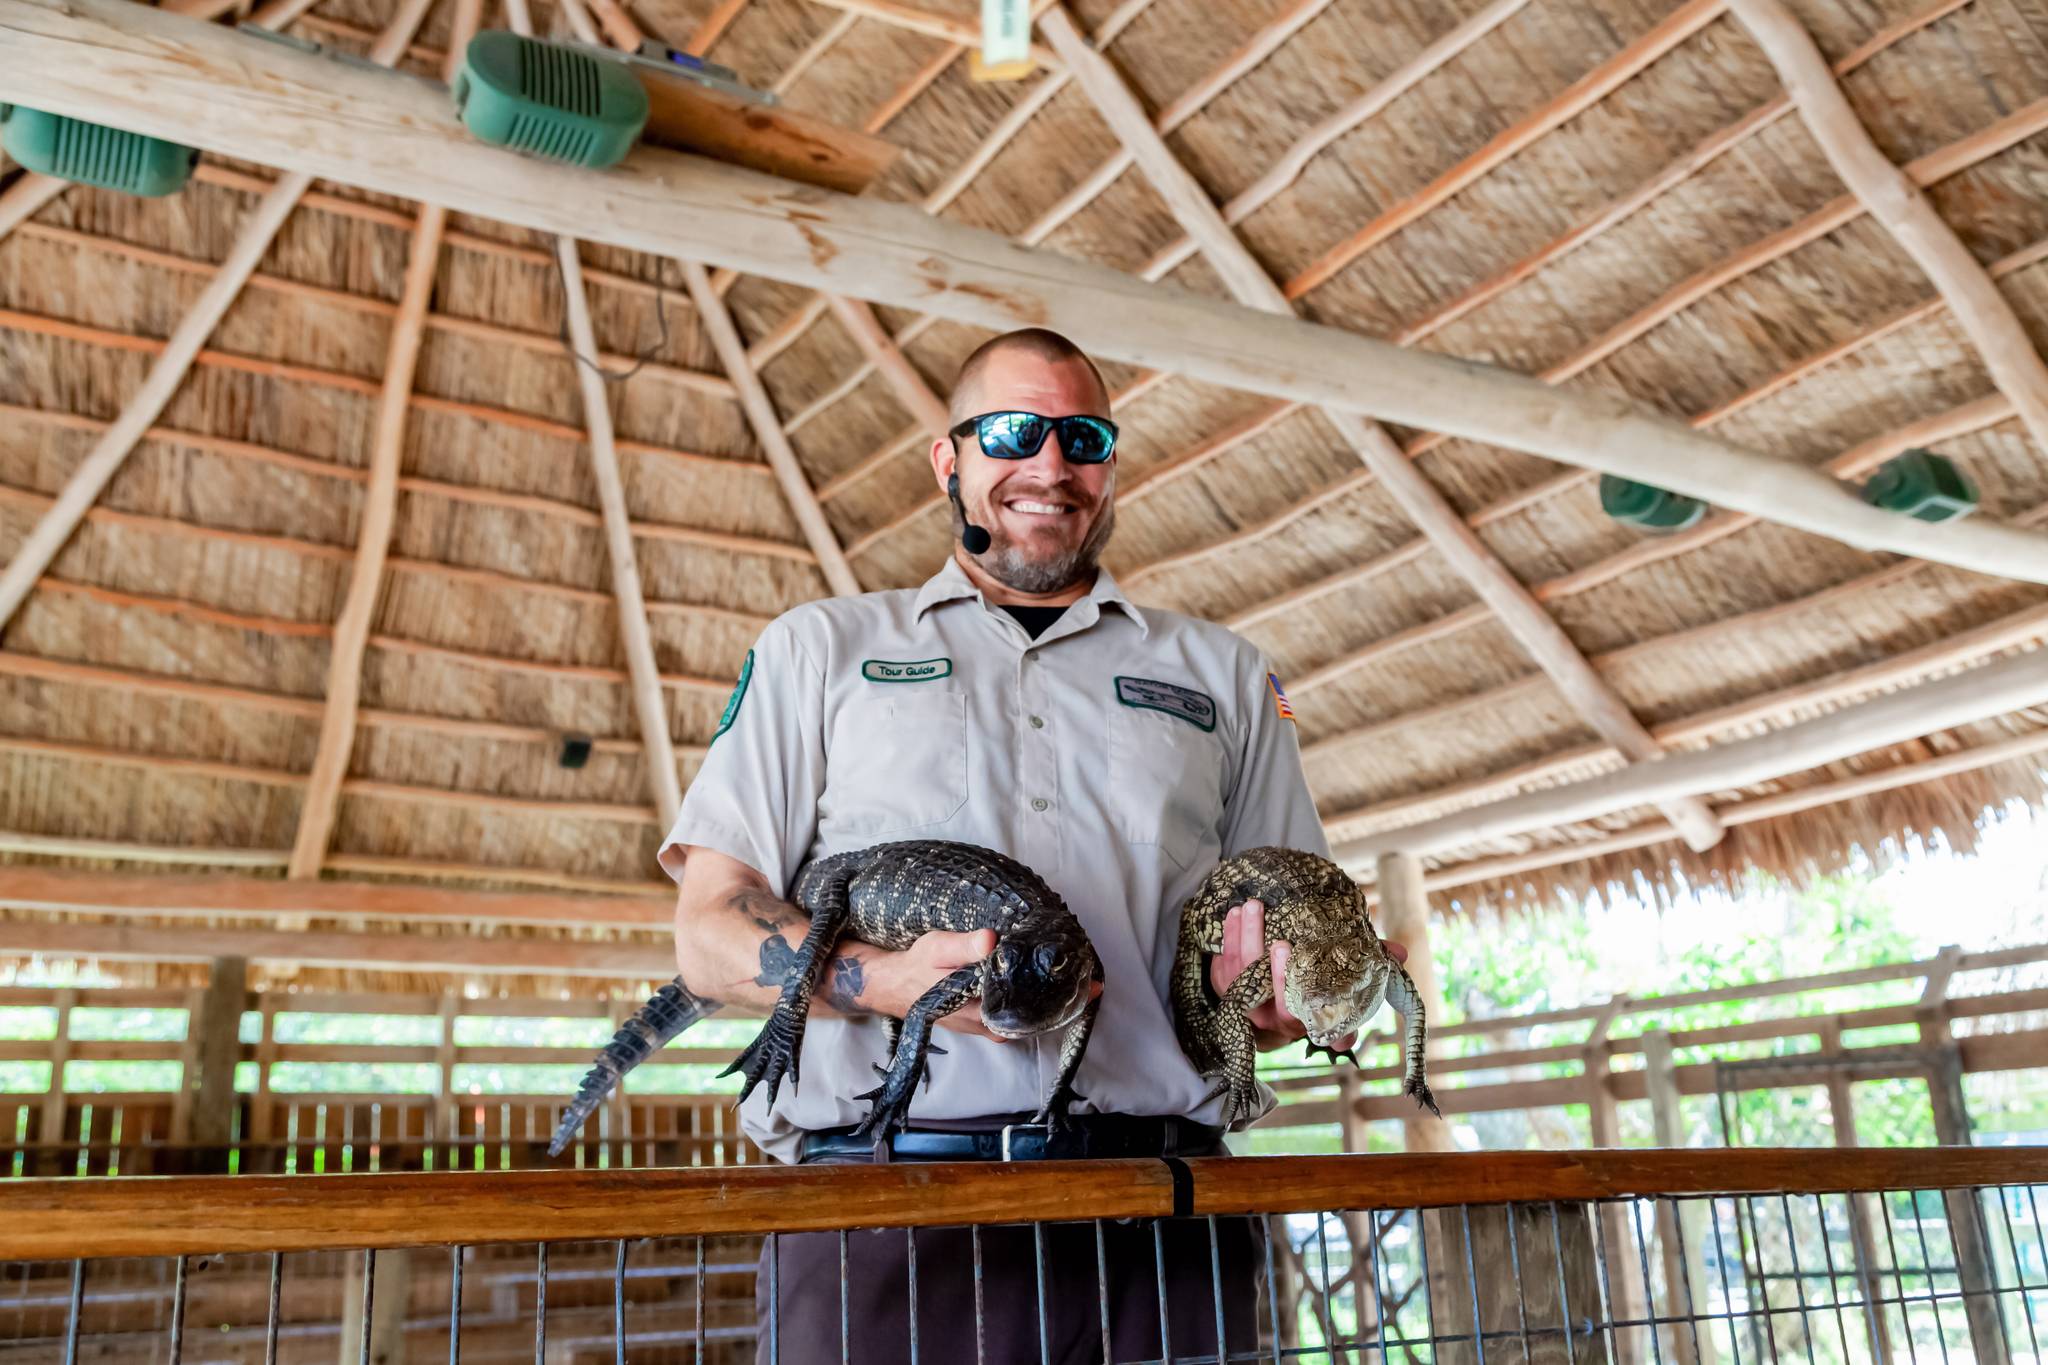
x=1399 y=951
x=1228 y=962
x=947 y=951
x=1281 y=952
x=1253 y=932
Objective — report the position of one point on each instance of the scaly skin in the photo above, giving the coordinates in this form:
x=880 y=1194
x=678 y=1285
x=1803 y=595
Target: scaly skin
x=1338 y=970
x=1037 y=979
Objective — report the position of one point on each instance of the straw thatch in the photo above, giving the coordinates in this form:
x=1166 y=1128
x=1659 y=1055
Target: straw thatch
x=1613 y=196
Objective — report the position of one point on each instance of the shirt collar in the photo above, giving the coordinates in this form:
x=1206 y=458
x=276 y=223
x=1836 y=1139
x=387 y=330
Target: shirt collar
x=951 y=583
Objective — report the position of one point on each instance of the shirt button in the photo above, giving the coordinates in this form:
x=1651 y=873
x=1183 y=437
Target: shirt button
x=1038 y=722
x=1039 y=803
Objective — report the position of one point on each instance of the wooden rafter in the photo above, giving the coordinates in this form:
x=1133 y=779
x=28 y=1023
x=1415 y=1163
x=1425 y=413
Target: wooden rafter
x=1895 y=201
x=916 y=396
x=1966 y=698
x=1518 y=611
x=25 y=197
x=322 y=800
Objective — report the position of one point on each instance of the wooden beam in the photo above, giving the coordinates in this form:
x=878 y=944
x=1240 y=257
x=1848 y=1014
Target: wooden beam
x=760 y=410
x=649 y=705
x=99 y=466
x=945 y=27
x=378 y=518
x=1533 y=628
x=215 y=1032
x=1979 y=694
x=393 y=135
x=20 y=201
x=1404 y=918
x=1902 y=210
x=909 y=387
x=400 y=951
x=714 y=26
x=129 y=894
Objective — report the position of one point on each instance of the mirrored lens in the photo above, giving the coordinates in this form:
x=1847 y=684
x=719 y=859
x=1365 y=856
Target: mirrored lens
x=1086 y=440
x=1012 y=435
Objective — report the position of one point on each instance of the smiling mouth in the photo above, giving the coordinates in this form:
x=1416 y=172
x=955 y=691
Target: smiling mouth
x=1034 y=508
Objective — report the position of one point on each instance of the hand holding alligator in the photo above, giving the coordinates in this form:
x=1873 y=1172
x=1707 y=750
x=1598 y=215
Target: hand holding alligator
x=1244 y=936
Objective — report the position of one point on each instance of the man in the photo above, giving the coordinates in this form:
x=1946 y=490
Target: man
x=1019 y=701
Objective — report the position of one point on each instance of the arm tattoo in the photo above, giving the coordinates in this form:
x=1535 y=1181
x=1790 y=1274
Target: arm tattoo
x=778 y=960
x=847 y=982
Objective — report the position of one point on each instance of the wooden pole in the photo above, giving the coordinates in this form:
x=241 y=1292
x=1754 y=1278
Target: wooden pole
x=1903 y=210
x=20 y=201
x=1510 y=601
x=860 y=322
x=1678 y=1226
x=1863 y=1242
x=761 y=414
x=55 y=1115
x=1404 y=918
x=137 y=68
x=105 y=459
x=217 y=1027
x=1991 y=690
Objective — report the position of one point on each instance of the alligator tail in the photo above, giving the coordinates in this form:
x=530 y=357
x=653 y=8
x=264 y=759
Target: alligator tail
x=672 y=1010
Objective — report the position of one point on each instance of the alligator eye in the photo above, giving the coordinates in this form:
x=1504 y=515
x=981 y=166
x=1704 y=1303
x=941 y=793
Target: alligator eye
x=1049 y=959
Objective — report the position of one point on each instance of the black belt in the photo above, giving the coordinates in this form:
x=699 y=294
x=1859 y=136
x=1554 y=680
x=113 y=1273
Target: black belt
x=1086 y=1136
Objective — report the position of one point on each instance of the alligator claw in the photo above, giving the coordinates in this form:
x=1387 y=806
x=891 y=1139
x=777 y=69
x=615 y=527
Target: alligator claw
x=1335 y=1054
x=1054 y=1114
x=773 y=1054
x=1419 y=1088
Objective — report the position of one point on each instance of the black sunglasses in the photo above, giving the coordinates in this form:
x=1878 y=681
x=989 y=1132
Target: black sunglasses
x=1018 y=435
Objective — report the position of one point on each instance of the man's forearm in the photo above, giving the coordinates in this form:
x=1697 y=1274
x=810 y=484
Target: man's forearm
x=742 y=941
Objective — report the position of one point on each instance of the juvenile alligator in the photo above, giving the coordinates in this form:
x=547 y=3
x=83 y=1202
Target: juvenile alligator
x=1338 y=972
x=1039 y=978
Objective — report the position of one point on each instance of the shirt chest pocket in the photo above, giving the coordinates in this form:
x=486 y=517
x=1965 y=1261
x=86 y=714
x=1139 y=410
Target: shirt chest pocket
x=896 y=762
x=1165 y=782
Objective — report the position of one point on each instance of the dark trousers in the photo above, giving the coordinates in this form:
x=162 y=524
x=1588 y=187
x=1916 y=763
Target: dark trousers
x=805 y=1328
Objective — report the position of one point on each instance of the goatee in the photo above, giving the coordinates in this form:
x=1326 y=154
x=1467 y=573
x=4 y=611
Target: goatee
x=1011 y=566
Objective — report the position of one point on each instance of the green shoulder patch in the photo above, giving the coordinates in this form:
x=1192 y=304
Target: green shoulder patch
x=1147 y=694
x=922 y=670
x=739 y=694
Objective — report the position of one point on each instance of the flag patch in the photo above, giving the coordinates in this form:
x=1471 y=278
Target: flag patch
x=1280 y=705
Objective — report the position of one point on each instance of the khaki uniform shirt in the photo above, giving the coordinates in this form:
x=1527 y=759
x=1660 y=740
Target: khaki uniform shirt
x=1121 y=755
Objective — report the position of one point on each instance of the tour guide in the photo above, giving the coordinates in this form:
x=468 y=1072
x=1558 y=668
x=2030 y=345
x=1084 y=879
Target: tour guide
x=1019 y=701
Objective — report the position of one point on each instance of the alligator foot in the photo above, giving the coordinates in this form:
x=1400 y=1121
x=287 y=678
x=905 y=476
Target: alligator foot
x=1053 y=1113
x=891 y=1110
x=772 y=1055
x=1419 y=1088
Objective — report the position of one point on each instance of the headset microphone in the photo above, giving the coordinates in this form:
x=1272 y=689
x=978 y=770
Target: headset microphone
x=973 y=539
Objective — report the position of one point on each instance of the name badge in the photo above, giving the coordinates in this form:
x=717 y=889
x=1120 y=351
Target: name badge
x=922 y=670
x=1196 y=708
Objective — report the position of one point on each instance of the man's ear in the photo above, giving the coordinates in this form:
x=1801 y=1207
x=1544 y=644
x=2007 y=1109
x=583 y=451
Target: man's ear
x=945 y=458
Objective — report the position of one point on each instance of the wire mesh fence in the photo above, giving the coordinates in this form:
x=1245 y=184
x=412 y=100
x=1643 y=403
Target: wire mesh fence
x=1943 y=1274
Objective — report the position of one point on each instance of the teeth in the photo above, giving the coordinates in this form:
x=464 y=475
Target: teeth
x=1047 y=508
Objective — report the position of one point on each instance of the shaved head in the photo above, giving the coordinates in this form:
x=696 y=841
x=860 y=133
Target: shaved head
x=1038 y=343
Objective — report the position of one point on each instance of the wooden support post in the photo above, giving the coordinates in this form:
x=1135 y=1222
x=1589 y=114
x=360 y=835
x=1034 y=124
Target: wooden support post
x=1627 y=1295
x=1842 y=1118
x=167 y=373
x=1679 y=1226
x=1964 y=1214
x=213 y=1045
x=155 y=73
x=1504 y=1304
x=1506 y=596
x=441 y=1125
x=1904 y=211
x=390 y=1295
x=1404 y=918
x=767 y=425
x=322 y=800
x=887 y=357
x=50 y=1129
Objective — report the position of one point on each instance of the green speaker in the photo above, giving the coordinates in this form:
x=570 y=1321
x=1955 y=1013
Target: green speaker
x=71 y=149
x=550 y=100
x=1646 y=506
x=1923 y=485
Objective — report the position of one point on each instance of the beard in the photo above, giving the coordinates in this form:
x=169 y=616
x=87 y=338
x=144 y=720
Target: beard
x=1039 y=573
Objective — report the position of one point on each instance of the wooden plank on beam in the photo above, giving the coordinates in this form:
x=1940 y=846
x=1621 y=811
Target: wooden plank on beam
x=389 y=134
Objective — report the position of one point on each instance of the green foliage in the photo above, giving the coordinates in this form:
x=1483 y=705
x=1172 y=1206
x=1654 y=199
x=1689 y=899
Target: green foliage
x=128 y=1025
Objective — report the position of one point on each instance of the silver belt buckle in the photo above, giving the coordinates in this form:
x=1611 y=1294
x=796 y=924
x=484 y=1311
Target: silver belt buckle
x=1010 y=1128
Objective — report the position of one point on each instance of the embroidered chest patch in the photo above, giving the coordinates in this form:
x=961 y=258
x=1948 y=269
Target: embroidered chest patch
x=921 y=670
x=1146 y=694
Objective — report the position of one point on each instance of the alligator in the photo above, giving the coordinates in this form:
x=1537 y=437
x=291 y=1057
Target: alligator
x=1338 y=971
x=1040 y=977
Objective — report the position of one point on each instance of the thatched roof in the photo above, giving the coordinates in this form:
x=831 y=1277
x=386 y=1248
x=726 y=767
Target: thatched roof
x=1614 y=197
